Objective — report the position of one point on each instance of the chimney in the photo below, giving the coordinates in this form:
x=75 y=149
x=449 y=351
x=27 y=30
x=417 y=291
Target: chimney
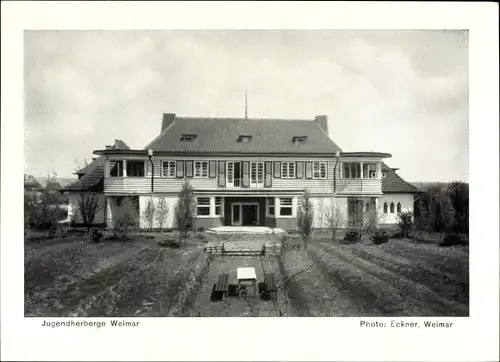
x=168 y=118
x=323 y=122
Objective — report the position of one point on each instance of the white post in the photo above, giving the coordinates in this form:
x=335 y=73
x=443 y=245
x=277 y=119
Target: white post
x=212 y=205
x=294 y=206
x=276 y=206
x=361 y=174
x=124 y=163
x=106 y=168
x=379 y=170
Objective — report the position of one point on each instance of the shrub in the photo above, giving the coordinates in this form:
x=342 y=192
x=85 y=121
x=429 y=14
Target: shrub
x=162 y=211
x=170 y=243
x=96 y=236
x=405 y=222
x=454 y=239
x=149 y=213
x=124 y=219
x=200 y=229
x=352 y=236
x=200 y=237
x=87 y=207
x=380 y=237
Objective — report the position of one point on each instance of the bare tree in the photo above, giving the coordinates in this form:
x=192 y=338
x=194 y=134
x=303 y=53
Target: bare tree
x=305 y=217
x=334 y=218
x=149 y=213
x=88 y=206
x=162 y=211
x=124 y=218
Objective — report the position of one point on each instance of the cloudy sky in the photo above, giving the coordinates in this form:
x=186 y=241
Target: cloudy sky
x=401 y=92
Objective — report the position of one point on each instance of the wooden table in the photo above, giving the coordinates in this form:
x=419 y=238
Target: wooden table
x=246 y=275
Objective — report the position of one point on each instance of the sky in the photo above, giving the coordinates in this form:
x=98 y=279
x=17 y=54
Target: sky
x=401 y=92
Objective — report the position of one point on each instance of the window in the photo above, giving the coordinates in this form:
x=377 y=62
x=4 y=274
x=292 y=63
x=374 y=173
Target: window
x=201 y=169
x=319 y=170
x=398 y=208
x=168 y=169
x=384 y=174
x=202 y=206
x=270 y=206
x=288 y=170
x=392 y=207
x=369 y=170
x=385 y=207
x=352 y=170
x=117 y=170
x=219 y=206
x=286 y=207
x=135 y=168
x=257 y=173
x=299 y=139
x=188 y=137
x=244 y=138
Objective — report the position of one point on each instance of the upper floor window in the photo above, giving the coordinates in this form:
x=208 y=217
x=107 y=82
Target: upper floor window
x=188 y=137
x=135 y=168
x=352 y=170
x=117 y=170
x=369 y=170
x=203 y=206
x=201 y=169
x=168 y=168
x=288 y=170
x=257 y=173
x=286 y=206
x=319 y=170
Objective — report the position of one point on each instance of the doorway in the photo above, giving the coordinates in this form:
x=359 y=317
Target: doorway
x=245 y=214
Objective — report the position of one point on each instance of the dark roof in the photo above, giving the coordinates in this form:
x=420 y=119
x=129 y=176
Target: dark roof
x=393 y=183
x=220 y=135
x=91 y=180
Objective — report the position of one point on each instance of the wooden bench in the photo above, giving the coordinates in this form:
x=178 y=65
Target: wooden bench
x=222 y=285
x=270 y=282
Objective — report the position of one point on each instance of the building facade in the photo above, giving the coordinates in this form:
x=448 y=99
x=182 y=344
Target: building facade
x=246 y=172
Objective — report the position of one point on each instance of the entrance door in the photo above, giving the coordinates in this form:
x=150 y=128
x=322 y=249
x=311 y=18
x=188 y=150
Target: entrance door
x=250 y=215
x=236 y=214
x=355 y=212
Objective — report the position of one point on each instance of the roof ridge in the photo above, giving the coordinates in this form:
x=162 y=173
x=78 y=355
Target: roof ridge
x=244 y=119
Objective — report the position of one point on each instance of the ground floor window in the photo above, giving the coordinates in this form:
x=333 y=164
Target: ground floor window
x=286 y=206
x=202 y=206
x=398 y=208
x=219 y=206
x=270 y=206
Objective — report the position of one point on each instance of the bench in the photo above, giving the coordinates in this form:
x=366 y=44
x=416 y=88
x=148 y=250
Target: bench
x=222 y=285
x=270 y=282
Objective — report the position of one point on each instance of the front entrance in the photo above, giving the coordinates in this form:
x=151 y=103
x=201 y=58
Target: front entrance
x=245 y=214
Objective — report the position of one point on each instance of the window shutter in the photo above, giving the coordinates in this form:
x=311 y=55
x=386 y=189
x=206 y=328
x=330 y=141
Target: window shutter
x=268 y=180
x=189 y=168
x=222 y=174
x=180 y=169
x=277 y=169
x=246 y=171
x=300 y=170
x=212 y=168
x=308 y=169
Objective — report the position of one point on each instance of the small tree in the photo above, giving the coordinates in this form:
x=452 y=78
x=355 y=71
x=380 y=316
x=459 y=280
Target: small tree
x=405 y=222
x=185 y=209
x=88 y=206
x=305 y=217
x=124 y=219
x=149 y=213
x=334 y=218
x=445 y=212
x=48 y=211
x=161 y=212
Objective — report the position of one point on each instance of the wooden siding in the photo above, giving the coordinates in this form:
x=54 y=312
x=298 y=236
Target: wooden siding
x=142 y=185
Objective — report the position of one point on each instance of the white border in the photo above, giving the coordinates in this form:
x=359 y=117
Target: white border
x=474 y=338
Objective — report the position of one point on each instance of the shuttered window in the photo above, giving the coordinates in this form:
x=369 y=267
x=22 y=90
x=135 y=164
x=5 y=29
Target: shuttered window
x=168 y=168
x=288 y=170
x=201 y=169
x=319 y=170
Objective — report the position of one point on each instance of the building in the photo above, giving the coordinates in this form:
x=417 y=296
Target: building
x=248 y=172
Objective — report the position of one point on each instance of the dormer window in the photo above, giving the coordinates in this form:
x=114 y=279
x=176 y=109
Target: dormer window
x=188 y=137
x=299 y=139
x=244 y=138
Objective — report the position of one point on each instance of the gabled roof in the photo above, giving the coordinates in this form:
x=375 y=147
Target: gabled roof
x=220 y=135
x=94 y=173
x=393 y=183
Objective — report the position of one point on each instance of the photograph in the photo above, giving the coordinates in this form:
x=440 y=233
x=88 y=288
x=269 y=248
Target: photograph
x=246 y=173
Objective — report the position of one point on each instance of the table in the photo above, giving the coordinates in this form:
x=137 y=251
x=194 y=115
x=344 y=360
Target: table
x=245 y=275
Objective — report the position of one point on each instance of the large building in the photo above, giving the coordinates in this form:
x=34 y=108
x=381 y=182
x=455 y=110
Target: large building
x=247 y=172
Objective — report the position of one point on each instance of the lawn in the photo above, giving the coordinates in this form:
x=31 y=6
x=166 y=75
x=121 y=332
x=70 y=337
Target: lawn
x=74 y=277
